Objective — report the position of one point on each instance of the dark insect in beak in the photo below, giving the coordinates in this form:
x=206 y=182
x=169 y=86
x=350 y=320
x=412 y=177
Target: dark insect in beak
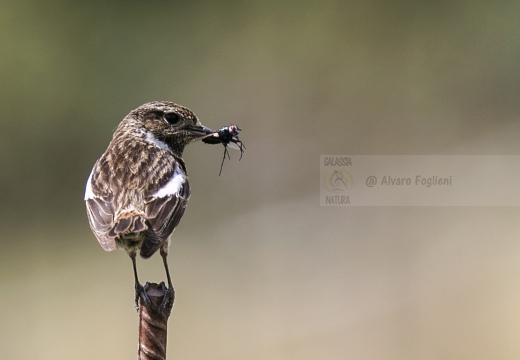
x=226 y=135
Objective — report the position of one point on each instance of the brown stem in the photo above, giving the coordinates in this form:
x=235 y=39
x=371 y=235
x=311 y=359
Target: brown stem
x=153 y=326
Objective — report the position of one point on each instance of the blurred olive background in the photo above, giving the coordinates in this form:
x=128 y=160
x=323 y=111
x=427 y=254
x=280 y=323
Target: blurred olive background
x=262 y=271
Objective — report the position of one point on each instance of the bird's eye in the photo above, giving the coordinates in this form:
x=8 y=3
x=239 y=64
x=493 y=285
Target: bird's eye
x=171 y=118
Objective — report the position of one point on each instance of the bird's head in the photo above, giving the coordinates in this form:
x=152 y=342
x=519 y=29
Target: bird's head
x=165 y=123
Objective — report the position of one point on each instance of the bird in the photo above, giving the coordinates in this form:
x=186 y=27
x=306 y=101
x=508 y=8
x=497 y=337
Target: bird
x=138 y=189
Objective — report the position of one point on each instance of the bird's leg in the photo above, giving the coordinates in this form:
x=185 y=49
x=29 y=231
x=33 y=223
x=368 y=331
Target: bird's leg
x=140 y=290
x=169 y=295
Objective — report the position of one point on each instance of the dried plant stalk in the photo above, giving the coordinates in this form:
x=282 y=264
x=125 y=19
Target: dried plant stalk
x=153 y=325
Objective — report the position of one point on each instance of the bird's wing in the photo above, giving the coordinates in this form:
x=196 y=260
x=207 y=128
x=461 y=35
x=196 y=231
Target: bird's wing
x=100 y=211
x=165 y=205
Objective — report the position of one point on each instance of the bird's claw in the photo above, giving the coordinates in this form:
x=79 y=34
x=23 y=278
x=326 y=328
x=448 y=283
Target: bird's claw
x=167 y=302
x=140 y=293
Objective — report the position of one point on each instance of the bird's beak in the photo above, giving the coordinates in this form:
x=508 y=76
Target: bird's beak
x=198 y=132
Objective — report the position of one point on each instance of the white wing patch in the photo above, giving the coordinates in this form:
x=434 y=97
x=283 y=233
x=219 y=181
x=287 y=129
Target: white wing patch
x=89 y=194
x=174 y=185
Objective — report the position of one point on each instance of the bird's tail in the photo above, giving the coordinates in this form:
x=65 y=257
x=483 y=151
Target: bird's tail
x=128 y=222
x=151 y=243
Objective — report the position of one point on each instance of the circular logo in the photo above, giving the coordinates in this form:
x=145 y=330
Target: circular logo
x=337 y=181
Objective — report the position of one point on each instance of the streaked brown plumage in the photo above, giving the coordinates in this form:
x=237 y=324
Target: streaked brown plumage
x=138 y=190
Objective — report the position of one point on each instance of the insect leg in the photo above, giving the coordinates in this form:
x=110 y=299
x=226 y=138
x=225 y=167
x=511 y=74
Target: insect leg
x=224 y=158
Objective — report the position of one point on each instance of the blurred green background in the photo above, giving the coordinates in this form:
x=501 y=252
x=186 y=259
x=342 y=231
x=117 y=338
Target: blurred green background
x=261 y=270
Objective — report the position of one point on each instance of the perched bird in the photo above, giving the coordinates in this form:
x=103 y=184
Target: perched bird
x=137 y=191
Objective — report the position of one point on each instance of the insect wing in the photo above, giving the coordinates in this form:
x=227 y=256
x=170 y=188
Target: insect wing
x=214 y=138
x=235 y=144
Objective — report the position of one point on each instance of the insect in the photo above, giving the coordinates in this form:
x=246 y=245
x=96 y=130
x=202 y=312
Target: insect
x=226 y=135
